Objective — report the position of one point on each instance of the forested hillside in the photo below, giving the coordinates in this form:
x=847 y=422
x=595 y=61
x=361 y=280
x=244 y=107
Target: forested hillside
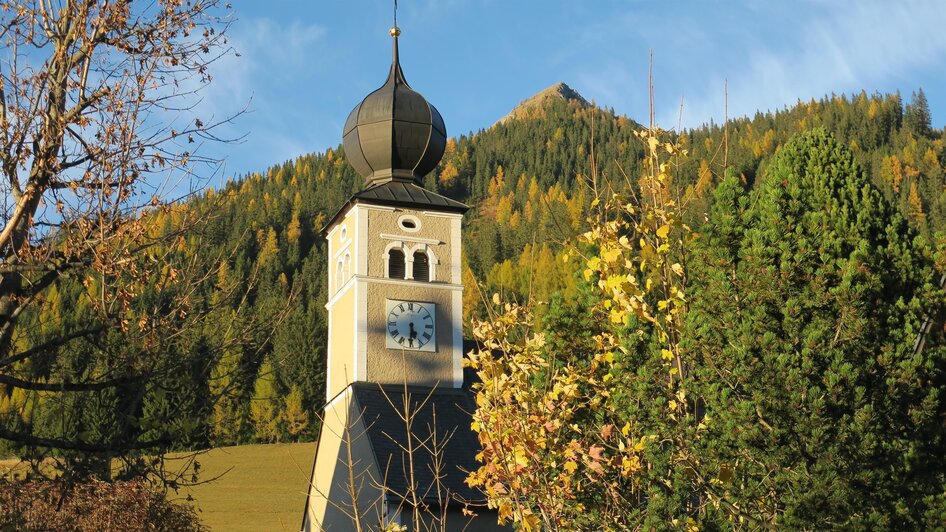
x=529 y=181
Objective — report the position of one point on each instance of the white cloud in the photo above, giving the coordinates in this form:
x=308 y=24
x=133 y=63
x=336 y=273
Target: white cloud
x=772 y=57
x=268 y=59
x=265 y=52
x=858 y=46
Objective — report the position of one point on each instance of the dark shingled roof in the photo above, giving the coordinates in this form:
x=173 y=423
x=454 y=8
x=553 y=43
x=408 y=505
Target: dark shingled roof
x=448 y=411
x=400 y=194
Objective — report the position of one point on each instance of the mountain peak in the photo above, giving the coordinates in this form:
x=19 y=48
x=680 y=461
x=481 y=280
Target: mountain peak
x=559 y=91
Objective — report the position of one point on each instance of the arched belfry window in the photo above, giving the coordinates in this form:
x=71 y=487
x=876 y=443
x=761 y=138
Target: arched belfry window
x=396 y=264
x=342 y=271
x=421 y=266
x=339 y=274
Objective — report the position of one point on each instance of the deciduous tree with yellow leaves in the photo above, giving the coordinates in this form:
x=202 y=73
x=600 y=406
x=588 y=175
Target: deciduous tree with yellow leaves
x=561 y=448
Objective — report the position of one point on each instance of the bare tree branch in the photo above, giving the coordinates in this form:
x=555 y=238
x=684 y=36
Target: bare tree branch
x=76 y=445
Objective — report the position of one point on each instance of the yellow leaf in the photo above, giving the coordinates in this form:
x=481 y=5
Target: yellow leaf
x=666 y=354
x=615 y=281
x=626 y=429
x=611 y=255
x=531 y=522
x=570 y=466
x=520 y=457
x=617 y=316
x=663 y=231
x=653 y=142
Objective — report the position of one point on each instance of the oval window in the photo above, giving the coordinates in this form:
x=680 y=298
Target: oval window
x=409 y=223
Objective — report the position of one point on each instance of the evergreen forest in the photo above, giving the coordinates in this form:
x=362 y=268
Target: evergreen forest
x=818 y=281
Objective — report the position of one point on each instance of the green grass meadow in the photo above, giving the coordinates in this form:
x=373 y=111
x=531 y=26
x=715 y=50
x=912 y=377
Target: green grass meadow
x=260 y=487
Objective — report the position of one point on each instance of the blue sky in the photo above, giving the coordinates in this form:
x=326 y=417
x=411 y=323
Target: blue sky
x=304 y=64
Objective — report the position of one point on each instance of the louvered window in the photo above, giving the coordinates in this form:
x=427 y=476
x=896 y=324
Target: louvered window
x=396 y=264
x=421 y=267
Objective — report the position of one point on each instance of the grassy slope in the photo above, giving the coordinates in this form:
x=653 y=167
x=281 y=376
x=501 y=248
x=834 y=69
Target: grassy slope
x=262 y=487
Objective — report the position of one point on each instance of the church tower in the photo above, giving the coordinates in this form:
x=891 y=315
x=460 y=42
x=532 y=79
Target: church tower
x=395 y=292
x=395 y=333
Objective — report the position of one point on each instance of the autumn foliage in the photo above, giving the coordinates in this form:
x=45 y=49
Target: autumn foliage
x=785 y=368
x=559 y=448
x=93 y=505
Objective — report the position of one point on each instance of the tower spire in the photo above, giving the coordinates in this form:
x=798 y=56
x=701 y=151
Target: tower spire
x=394 y=134
x=397 y=75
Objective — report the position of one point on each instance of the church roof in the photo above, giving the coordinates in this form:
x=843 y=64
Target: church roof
x=400 y=194
x=394 y=134
x=393 y=138
x=444 y=411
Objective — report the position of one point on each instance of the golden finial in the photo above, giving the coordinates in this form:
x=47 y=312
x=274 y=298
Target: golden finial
x=395 y=31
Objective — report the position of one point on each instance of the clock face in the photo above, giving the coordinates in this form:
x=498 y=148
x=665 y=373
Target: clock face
x=411 y=325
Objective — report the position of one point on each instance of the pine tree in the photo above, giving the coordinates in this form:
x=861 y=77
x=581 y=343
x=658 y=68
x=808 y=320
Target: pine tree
x=802 y=345
x=916 y=115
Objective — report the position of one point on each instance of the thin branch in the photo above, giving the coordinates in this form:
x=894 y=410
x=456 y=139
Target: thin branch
x=51 y=344
x=74 y=445
x=68 y=386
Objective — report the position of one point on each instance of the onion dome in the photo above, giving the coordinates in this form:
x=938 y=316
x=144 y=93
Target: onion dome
x=394 y=134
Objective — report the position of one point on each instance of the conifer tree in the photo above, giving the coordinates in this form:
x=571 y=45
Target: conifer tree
x=916 y=115
x=820 y=411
